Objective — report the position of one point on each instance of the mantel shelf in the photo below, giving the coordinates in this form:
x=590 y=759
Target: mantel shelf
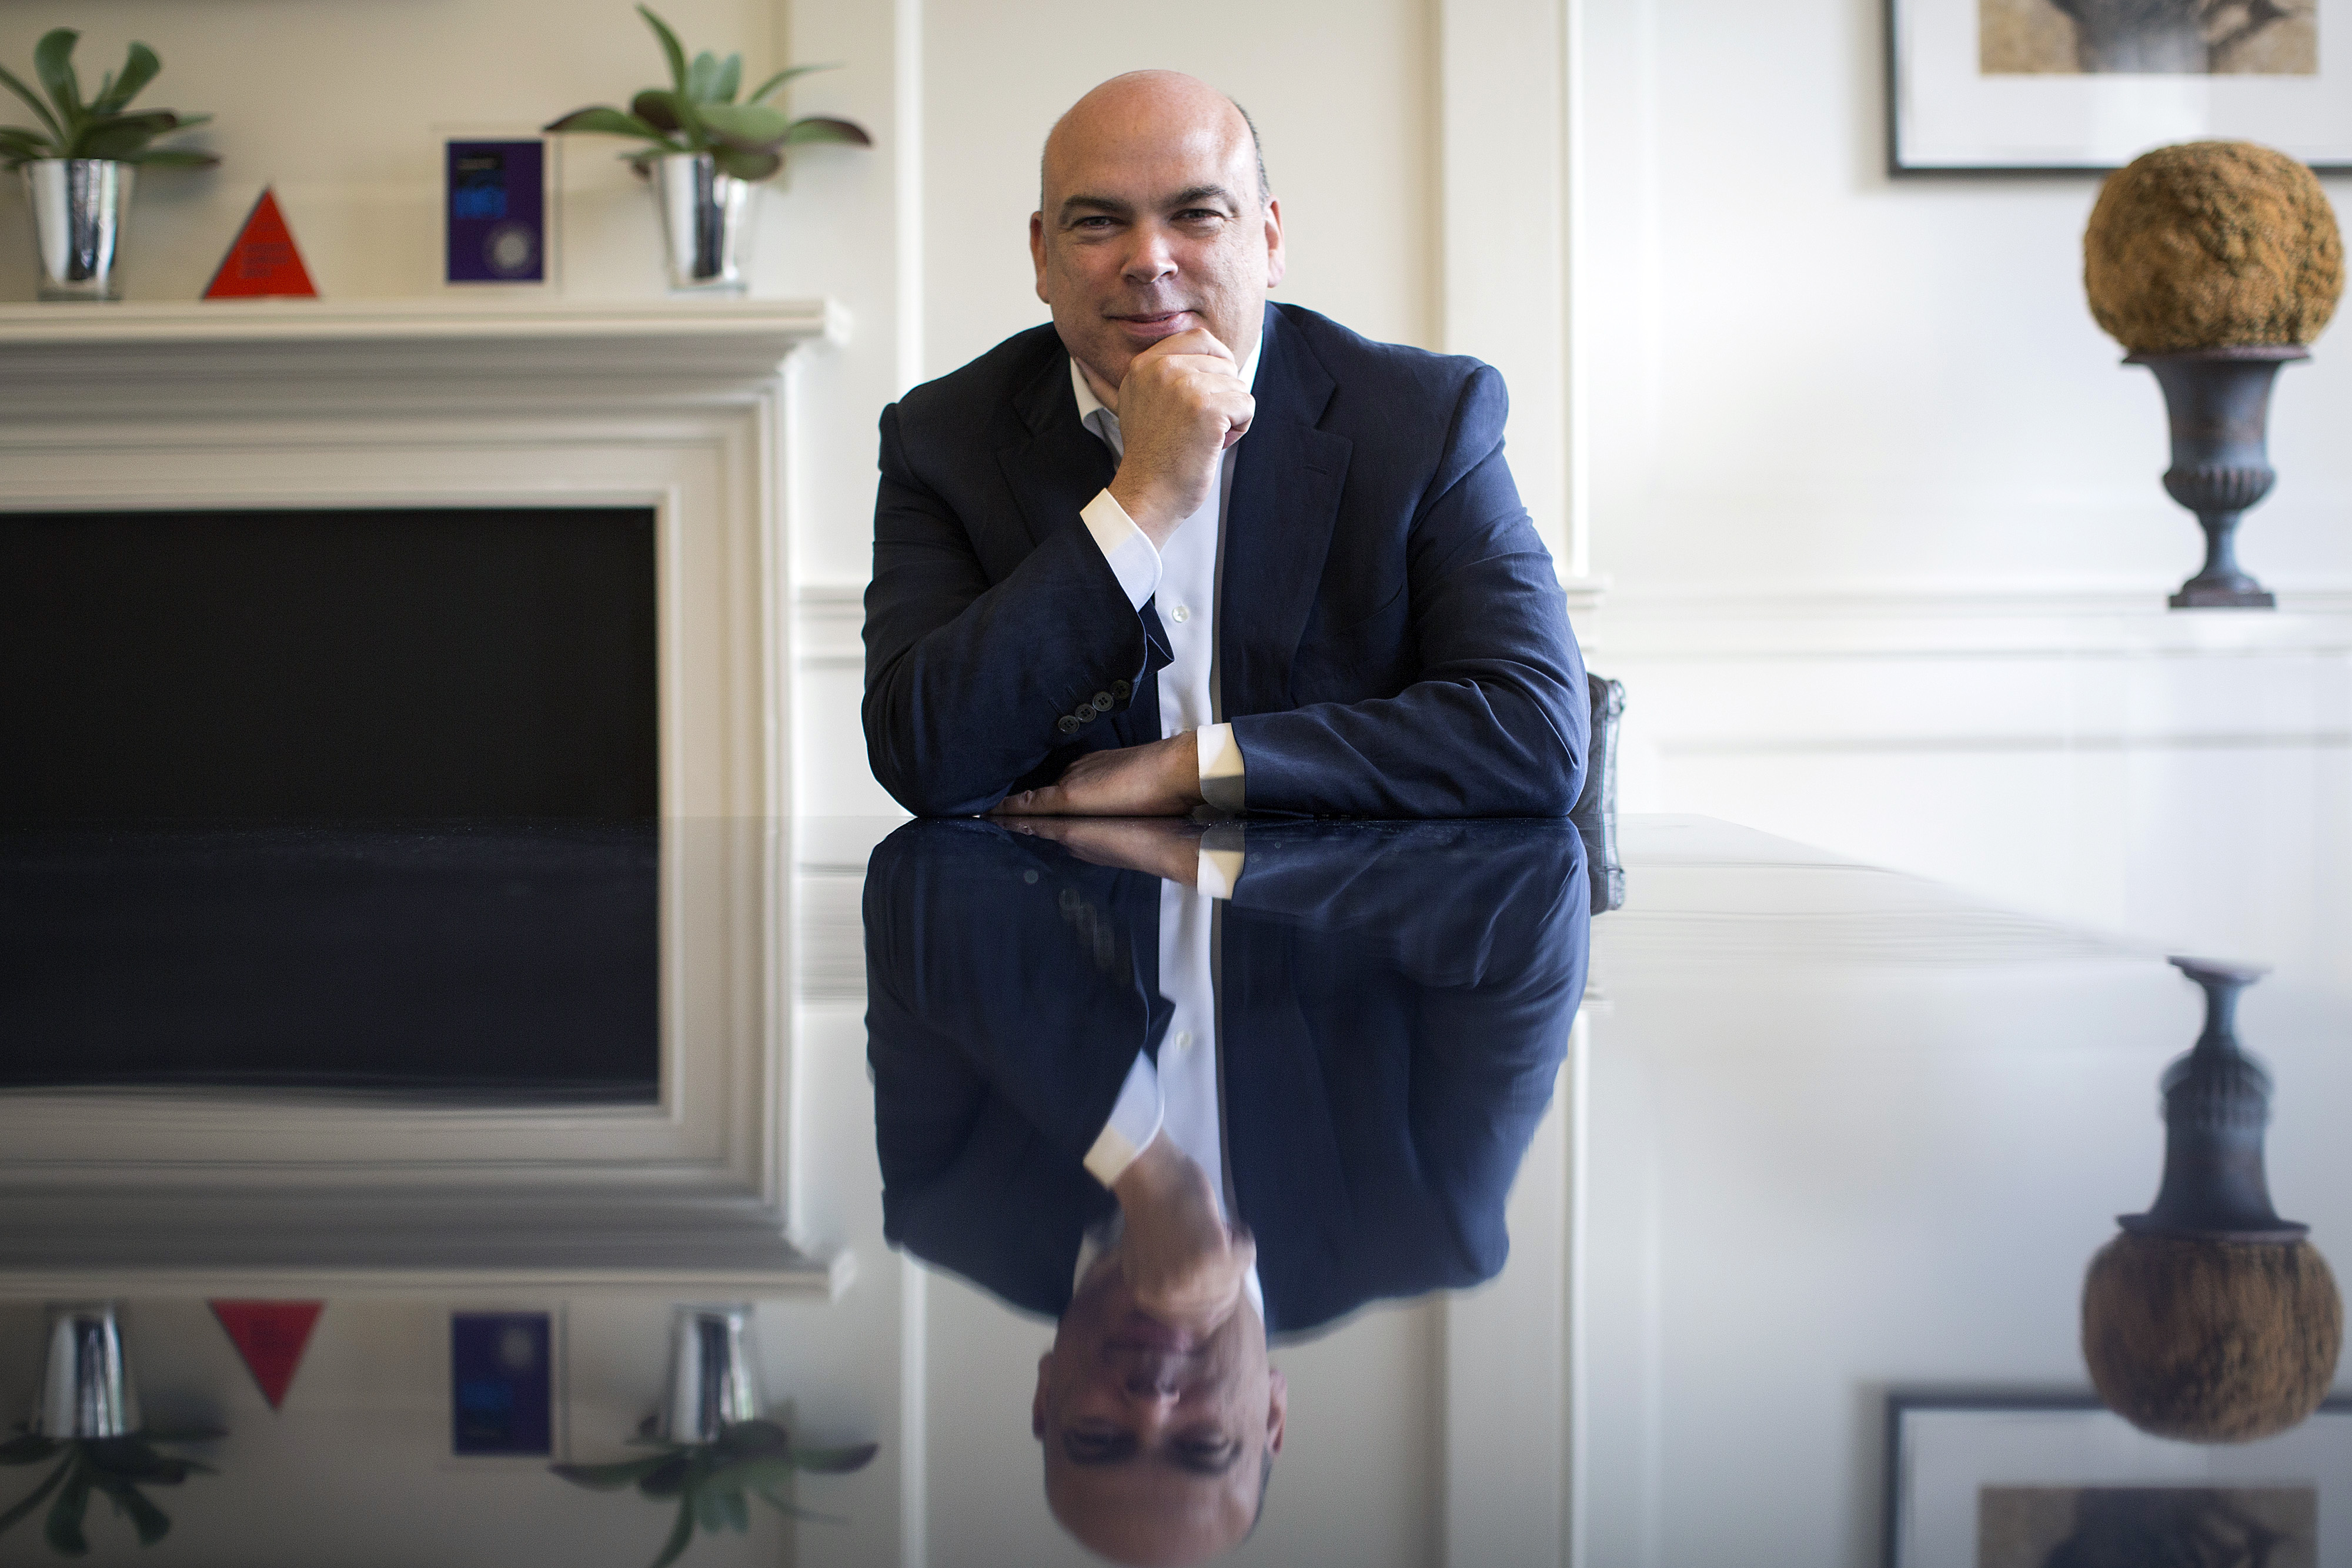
x=45 y=348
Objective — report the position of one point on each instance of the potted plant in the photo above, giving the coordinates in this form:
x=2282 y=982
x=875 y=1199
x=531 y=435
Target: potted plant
x=707 y=155
x=90 y=1422
x=713 y=1449
x=78 y=161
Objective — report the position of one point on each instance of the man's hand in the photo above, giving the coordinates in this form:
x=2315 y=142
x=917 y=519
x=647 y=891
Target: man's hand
x=1169 y=848
x=1183 y=1262
x=1162 y=780
x=1181 y=405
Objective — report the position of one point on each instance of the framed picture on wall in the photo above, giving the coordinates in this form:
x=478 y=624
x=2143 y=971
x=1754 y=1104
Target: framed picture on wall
x=2027 y=1481
x=2053 y=86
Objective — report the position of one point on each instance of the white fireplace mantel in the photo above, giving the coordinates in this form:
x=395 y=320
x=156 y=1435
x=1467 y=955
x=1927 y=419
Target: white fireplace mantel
x=675 y=406
x=52 y=355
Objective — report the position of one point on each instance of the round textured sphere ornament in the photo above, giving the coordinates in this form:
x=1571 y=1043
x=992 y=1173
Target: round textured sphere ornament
x=2213 y=244
x=2211 y=1341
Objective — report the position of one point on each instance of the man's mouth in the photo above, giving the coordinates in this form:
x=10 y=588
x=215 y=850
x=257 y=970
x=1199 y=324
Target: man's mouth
x=1157 y=322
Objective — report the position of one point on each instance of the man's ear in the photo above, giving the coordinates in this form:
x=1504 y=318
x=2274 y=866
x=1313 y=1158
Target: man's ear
x=1037 y=253
x=1037 y=1401
x=1276 y=263
x=1278 y=1407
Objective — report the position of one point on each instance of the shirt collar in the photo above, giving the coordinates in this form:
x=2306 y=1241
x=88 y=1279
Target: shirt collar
x=1090 y=406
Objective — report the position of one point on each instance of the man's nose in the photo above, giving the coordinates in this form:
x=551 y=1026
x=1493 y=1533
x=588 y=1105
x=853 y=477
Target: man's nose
x=1153 y=258
x=1154 y=1374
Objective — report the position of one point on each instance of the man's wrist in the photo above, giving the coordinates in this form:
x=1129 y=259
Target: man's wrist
x=1147 y=506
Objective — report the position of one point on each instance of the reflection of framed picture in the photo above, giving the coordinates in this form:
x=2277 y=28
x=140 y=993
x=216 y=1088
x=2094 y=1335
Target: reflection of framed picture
x=498 y=208
x=1986 y=86
x=2050 y=1482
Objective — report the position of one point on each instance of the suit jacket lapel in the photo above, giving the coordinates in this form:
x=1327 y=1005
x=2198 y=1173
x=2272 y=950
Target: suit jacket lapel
x=1287 y=477
x=1061 y=465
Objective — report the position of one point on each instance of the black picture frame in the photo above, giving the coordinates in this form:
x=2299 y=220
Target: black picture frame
x=1902 y=1403
x=1906 y=85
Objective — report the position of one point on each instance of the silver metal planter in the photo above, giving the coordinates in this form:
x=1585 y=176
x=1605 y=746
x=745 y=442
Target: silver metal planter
x=86 y=1391
x=79 y=206
x=706 y=220
x=713 y=1382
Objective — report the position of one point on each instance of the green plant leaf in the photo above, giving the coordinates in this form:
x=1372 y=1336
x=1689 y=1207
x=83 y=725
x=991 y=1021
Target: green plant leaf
x=738 y=1512
x=137 y=72
x=63 y=1527
x=26 y=1504
x=120 y=135
x=32 y=100
x=757 y=1435
x=53 y=63
x=710 y=1506
x=668 y=1477
x=681 y=1535
x=605 y=121
x=730 y=76
x=751 y=126
x=27 y=1449
x=838 y=1461
x=183 y=1434
x=672 y=50
x=612 y=1476
x=151 y=1522
x=702 y=79
x=746 y=162
x=760 y=94
x=824 y=128
x=657 y=107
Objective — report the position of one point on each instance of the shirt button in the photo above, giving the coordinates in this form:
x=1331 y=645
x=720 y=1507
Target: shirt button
x=1182 y=614
x=1183 y=1039
x=1069 y=723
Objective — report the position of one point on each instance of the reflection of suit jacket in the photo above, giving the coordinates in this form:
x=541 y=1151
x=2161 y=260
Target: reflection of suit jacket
x=1393 y=1004
x=1392 y=641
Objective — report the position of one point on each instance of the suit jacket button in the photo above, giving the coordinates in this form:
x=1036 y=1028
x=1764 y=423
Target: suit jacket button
x=1119 y=689
x=1069 y=723
x=1102 y=701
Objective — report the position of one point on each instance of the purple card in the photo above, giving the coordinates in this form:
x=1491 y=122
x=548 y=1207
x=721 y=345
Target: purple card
x=502 y=1383
x=497 y=191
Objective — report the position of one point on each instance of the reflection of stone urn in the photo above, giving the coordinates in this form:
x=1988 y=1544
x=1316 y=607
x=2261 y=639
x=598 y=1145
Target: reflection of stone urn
x=2214 y=262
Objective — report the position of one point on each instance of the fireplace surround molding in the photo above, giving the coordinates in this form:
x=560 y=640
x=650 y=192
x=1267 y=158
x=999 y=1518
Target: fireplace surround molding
x=677 y=406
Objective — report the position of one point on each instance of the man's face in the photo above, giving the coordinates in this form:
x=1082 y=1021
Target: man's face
x=1152 y=224
x=1155 y=1441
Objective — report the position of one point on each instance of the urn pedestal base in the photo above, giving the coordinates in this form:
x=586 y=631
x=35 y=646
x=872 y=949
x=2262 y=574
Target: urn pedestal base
x=2218 y=401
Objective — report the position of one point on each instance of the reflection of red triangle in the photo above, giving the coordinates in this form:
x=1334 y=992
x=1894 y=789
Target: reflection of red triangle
x=272 y=1336
x=263 y=261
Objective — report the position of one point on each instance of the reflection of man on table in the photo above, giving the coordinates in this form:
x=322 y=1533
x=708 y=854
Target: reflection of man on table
x=1081 y=1110
x=1184 y=545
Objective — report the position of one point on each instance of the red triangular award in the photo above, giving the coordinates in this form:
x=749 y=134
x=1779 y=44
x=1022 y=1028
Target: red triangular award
x=271 y=1337
x=264 y=260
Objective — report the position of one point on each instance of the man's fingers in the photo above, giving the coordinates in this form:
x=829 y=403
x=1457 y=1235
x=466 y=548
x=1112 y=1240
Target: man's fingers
x=1045 y=802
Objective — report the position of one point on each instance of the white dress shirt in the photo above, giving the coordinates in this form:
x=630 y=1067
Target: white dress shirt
x=1184 y=576
x=1180 y=1098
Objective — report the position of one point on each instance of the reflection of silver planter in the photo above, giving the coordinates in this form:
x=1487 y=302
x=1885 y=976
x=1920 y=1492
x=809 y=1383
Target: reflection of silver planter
x=706 y=222
x=86 y=1391
x=78 y=210
x=712 y=1381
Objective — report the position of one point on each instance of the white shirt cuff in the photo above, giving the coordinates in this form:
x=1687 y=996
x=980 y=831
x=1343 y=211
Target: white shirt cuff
x=1220 y=764
x=1134 y=1122
x=1132 y=557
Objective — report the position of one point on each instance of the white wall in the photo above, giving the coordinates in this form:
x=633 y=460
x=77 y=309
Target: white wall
x=1880 y=516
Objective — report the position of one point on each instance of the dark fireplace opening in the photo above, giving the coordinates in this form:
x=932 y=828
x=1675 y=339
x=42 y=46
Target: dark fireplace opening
x=359 y=800
x=328 y=667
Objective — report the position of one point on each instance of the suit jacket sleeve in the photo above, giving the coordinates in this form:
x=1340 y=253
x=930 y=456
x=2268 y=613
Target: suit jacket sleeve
x=970 y=673
x=1494 y=724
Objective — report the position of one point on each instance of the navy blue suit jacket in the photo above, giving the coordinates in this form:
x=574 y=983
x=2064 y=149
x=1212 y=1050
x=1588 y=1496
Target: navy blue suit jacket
x=1393 y=1009
x=1391 y=639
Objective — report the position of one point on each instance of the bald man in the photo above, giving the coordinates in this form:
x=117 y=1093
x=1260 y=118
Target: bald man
x=1184 y=546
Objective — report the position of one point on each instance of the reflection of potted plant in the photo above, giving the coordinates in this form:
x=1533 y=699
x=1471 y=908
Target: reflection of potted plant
x=707 y=155
x=89 y=1415
x=714 y=1450
x=78 y=161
